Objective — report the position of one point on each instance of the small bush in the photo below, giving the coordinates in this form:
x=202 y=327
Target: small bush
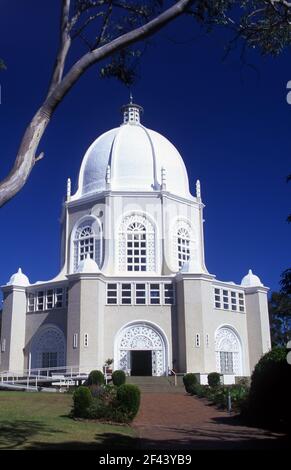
x=128 y=397
x=189 y=380
x=192 y=389
x=118 y=378
x=201 y=390
x=82 y=400
x=96 y=377
x=213 y=379
x=219 y=394
x=96 y=390
x=109 y=403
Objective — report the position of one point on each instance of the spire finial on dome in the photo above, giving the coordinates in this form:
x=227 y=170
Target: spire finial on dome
x=68 y=189
x=108 y=177
x=131 y=112
x=198 y=189
x=163 y=178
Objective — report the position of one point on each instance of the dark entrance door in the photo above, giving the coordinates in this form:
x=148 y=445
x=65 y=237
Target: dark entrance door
x=141 y=362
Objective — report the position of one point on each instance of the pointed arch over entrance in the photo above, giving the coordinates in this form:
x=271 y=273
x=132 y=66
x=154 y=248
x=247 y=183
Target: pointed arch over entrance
x=141 y=348
x=228 y=351
x=48 y=348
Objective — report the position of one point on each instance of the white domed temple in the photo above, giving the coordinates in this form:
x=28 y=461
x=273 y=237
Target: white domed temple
x=134 y=286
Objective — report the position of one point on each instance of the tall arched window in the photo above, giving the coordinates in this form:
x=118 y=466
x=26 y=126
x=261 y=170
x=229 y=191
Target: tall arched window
x=228 y=352
x=183 y=246
x=137 y=245
x=182 y=243
x=87 y=241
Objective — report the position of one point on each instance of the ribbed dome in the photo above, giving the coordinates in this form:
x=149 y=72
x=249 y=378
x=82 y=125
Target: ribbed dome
x=131 y=157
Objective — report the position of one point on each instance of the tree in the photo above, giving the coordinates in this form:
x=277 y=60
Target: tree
x=289 y=216
x=280 y=318
x=111 y=29
x=285 y=281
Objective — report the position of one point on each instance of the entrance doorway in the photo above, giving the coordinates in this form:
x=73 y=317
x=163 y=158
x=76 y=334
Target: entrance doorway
x=141 y=362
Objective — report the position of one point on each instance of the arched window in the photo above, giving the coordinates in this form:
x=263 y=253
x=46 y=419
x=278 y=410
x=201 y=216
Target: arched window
x=87 y=241
x=183 y=246
x=182 y=243
x=228 y=352
x=48 y=348
x=136 y=245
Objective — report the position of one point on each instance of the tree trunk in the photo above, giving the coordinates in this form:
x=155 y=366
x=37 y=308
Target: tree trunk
x=26 y=159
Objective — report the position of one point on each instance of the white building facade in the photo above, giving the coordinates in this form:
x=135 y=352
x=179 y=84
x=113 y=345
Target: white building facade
x=134 y=286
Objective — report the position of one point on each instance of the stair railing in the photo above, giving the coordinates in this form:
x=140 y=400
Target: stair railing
x=175 y=377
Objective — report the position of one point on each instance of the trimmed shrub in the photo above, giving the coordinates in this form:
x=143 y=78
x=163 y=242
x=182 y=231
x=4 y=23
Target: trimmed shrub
x=213 y=379
x=118 y=377
x=192 y=389
x=269 y=401
x=96 y=377
x=82 y=399
x=201 y=390
x=96 y=391
x=100 y=409
x=128 y=397
x=104 y=402
x=189 y=380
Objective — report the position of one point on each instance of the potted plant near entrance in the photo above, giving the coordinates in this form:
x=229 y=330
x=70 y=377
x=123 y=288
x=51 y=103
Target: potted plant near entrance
x=108 y=366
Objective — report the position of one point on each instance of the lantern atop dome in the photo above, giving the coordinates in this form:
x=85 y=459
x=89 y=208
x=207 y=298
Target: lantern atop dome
x=131 y=112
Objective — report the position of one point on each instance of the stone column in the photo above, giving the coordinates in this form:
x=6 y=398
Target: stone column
x=194 y=294
x=85 y=319
x=258 y=323
x=13 y=328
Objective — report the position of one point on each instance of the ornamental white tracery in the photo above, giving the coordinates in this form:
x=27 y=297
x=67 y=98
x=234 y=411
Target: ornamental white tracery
x=182 y=246
x=48 y=348
x=141 y=337
x=87 y=242
x=228 y=352
x=137 y=244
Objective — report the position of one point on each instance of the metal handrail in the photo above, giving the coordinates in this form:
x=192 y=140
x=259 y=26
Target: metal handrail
x=38 y=374
x=37 y=371
x=175 y=377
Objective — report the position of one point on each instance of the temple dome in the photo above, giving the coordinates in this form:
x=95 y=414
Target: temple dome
x=251 y=280
x=132 y=158
x=88 y=266
x=18 y=279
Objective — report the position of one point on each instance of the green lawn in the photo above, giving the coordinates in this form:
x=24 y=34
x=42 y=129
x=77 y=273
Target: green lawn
x=41 y=421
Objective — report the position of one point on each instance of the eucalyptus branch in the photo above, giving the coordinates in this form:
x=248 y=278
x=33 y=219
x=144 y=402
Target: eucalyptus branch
x=65 y=42
x=89 y=20
x=104 y=26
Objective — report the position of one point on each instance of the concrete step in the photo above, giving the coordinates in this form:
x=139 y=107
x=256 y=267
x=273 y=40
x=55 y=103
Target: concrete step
x=157 y=384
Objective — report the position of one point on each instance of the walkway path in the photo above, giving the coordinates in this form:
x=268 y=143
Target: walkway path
x=180 y=421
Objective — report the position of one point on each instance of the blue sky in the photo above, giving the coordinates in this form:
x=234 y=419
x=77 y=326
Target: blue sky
x=231 y=124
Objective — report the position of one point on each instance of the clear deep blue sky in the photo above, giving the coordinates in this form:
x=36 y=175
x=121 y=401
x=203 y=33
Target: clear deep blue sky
x=231 y=124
